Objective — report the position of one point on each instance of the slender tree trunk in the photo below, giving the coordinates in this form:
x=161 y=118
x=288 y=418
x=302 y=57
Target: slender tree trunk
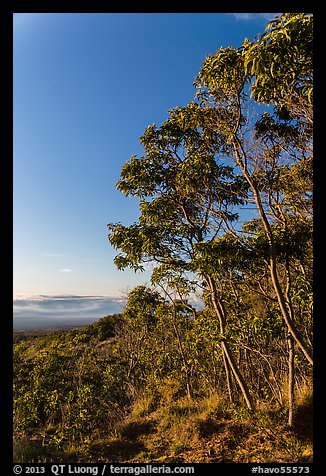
x=299 y=339
x=290 y=379
x=275 y=390
x=228 y=377
x=238 y=376
x=286 y=315
x=225 y=348
x=183 y=357
x=180 y=346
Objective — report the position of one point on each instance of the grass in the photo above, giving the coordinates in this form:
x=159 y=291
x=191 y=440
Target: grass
x=172 y=428
x=208 y=430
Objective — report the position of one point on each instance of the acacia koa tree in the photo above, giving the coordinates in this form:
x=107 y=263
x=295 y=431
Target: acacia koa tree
x=245 y=139
x=187 y=197
x=276 y=145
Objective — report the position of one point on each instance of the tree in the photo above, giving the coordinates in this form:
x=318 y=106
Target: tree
x=177 y=214
x=265 y=150
x=246 y=139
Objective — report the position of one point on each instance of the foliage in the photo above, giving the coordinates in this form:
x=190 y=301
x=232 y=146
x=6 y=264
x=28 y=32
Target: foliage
x=281 y=61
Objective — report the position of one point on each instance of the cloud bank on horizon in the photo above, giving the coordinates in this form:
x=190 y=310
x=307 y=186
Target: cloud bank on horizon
x=61 y=310
x=63 y=306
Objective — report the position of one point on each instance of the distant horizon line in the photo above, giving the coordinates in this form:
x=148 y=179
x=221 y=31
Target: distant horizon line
x=61 y=295
x=38 y=323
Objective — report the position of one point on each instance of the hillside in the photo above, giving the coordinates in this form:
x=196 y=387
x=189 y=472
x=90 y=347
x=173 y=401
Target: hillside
x=76 y=399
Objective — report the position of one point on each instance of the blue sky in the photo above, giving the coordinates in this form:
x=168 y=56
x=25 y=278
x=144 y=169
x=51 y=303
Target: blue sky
x=85 y=88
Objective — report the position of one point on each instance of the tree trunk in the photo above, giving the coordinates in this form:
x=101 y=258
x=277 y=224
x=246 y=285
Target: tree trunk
x=228 y=377
x=290 y=379
x=183 y=357
x=289 y=322
x=227 y=355
x=236 y=372
x=299 y=339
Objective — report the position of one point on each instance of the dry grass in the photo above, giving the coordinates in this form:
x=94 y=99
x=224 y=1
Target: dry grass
x=208 y=430
x=179 y=429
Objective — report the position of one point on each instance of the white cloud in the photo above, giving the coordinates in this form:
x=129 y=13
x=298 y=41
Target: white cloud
x=44 y=307
x=254 y=16
x=66 y=270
